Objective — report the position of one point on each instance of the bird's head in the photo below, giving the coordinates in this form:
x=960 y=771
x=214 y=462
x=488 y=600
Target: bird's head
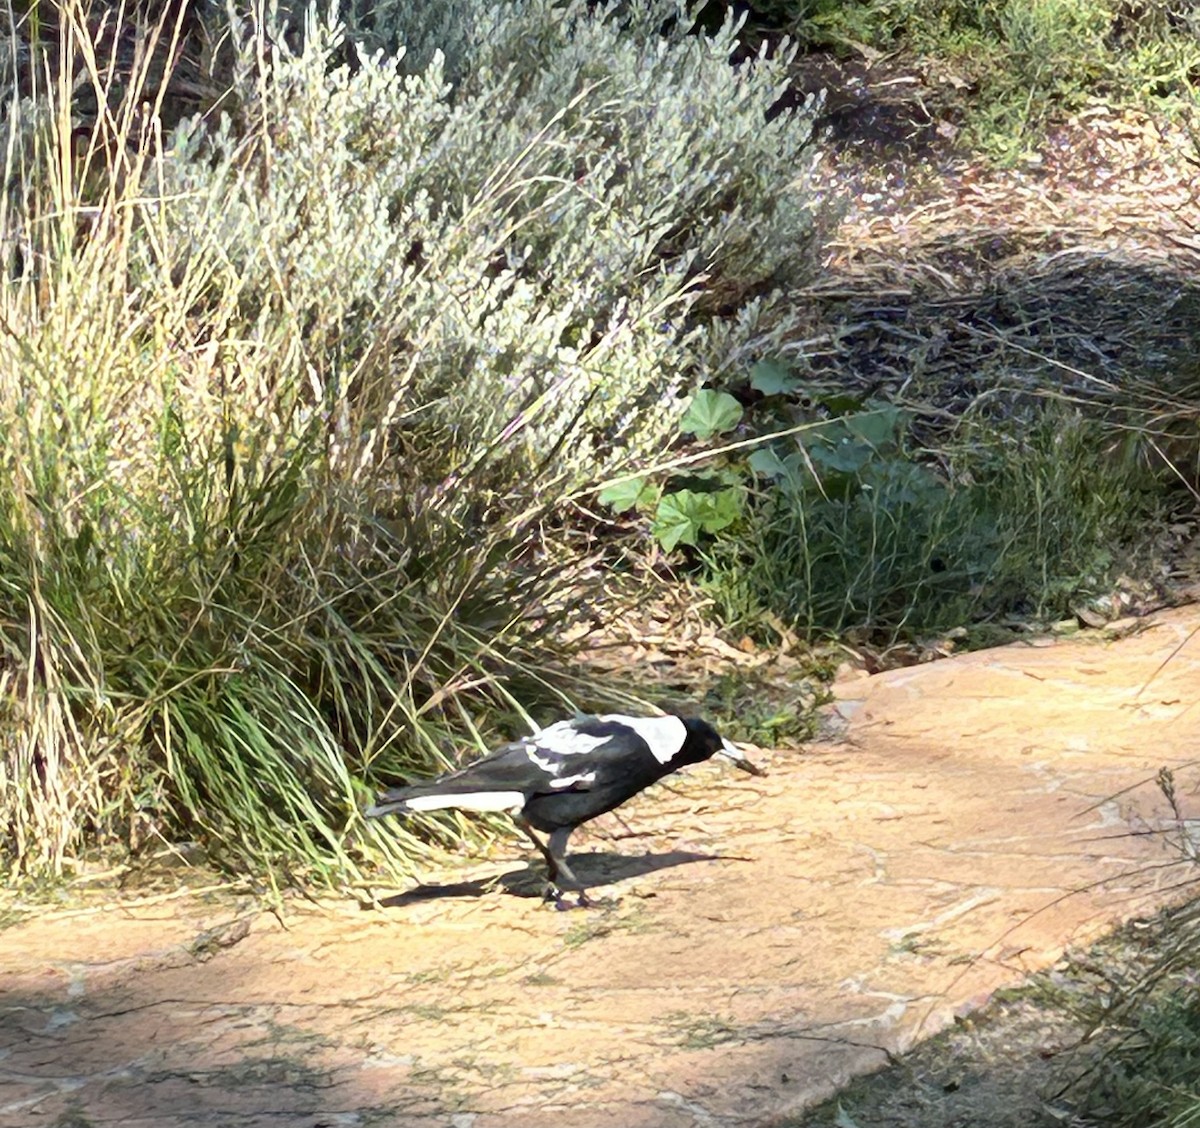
x=703 y=742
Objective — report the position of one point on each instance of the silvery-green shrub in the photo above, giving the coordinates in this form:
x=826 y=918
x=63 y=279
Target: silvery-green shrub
x=527 y=253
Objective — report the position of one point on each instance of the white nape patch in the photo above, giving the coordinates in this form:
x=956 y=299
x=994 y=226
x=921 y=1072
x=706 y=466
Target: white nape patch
x=563 y=739
x=664 y=735
x=469 y=801
x=570 y=781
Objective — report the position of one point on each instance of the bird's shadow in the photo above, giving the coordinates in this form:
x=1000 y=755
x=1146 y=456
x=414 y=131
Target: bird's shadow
x=593 y=870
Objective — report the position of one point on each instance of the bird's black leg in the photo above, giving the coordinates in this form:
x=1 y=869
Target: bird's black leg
x=565 y=878
x=551 y=864
x=557 y=853
x=557 y=869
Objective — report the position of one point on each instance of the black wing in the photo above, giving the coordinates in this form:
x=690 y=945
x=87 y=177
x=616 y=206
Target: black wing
x=524 y=765
x=576 y=755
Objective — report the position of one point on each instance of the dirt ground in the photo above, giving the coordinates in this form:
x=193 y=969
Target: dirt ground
x=766 y=941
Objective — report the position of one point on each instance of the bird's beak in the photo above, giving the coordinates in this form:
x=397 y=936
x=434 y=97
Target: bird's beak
x=731 y=752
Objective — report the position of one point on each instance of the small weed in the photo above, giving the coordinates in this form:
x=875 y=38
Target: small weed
x=686 y=508
x=697 y=1032
x=541 y=979
x=916 y=944
x=73 y=1118
x=1142 y=1005
x=440 y=974
x=590 y=928
x=597 y=924
x=10 y=917
x=772 y=712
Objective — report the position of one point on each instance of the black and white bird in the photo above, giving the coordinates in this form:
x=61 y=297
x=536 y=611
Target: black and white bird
x=566 y=774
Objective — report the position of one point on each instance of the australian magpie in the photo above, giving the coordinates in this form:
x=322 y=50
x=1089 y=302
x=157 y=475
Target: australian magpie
x=565 y=775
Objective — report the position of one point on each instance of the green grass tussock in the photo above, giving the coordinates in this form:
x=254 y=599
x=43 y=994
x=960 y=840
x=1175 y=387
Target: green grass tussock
x=1139 y=1064
x=1149 y=1078
x=862 y=531
x=291 y=395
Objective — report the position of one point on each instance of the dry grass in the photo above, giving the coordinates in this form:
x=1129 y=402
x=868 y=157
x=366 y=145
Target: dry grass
x=1073 y=277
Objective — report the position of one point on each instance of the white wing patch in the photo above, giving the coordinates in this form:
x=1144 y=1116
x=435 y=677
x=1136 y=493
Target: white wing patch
x=548 y=766
x=663 y=735
x=563 y=739
x=583 y=778
x=469 y=801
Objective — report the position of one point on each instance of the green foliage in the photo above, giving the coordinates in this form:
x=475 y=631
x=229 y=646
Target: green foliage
x=841 y=524
x=854 y=531
x=538 y=262
x=290 y=404
x=1139 y=1064
x=772 y=378
x=1048 y=56
x=1151 y=1079
x=626 y=494
x=1029 y=62
x=682 y=516
x=685 y=509
x=711 y=413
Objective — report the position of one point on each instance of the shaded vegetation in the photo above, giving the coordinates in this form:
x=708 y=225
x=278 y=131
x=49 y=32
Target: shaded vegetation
x=1107 y=1038
x=1020 y=65
x=859 y=535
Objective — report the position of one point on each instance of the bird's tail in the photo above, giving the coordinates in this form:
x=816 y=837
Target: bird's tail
x=388 y=803
x=439 y=796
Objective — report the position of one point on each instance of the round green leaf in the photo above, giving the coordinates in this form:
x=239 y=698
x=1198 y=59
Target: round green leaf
x=683 y=515
x=711 y=413
x=623 y=496
x=721 y=510
x=766 y=462
x=674 y=522
x=772 y=378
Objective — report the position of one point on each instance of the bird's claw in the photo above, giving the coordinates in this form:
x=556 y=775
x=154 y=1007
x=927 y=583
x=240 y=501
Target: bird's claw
x=555 y=895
